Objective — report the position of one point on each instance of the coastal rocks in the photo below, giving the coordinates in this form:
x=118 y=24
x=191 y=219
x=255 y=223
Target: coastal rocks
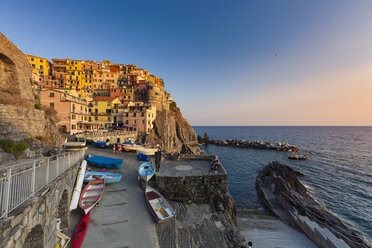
x=280 y=192
x=255 y=144
x=199 y=226
x=170 y=131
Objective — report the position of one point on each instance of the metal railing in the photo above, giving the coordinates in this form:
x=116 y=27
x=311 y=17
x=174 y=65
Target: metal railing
x=17 y=186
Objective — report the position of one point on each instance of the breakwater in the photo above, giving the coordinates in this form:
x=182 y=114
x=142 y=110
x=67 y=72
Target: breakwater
x=255 y=144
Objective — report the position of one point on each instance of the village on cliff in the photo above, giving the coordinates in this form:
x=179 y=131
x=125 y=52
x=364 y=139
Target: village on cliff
x=90 y=96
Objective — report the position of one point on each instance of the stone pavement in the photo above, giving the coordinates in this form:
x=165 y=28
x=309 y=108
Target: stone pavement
x=122 y=218
x=266 y=231
x=184 y=168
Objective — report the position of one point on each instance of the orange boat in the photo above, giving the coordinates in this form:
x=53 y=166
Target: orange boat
x=91 y=194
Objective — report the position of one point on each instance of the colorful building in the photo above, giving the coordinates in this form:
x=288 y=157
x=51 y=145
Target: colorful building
x=72 y=111
x=101 y=108
x=139 y=116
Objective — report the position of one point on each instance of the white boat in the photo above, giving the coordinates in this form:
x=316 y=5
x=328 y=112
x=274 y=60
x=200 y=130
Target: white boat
x=146 y=171
x=132 y=146
x=158 y=205
x=79 y=184
x=147 y=151
x=92 y=194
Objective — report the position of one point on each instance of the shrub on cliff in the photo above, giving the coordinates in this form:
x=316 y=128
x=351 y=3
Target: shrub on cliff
x=173 y=106
x=16 y=148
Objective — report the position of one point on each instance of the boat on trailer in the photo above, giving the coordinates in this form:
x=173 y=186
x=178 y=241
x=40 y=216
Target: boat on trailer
x=146 y=171
x=91 y=194
x=158 y=205
x=80 y=231
x=108 y=176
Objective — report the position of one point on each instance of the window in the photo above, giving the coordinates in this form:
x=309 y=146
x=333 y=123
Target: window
x=96 y=118
x=32 y=59
x=134 y=122
x=134 y=114
x=41 y=61
x=126 y=122
x=126 y=115
x=143 y=122
x=81 y=107
x=90 y=119
x=109 y=118
x=51 y=105
x=73 y=117
x=51 y=95
x=73 y=126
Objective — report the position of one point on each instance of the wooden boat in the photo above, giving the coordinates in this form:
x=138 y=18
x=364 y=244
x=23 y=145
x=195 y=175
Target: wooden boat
x=79 y=184
x=80 y=231
x=159 y=207
x=109 y=177
x=74 y=146
x=91 y=194
x=146 y=171
x=147 y=151
x=132 y=146
x=63 y=240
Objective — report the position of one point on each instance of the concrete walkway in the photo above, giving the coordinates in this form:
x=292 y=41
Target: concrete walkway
x=266 y=231
x=122 y=218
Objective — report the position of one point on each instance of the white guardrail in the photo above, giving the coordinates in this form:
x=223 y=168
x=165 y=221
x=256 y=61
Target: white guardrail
x=18 y=185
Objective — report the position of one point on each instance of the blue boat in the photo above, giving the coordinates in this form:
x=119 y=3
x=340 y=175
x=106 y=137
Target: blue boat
x=109 y=177
x=99 y=144
x=105 y=162
x=146 y=171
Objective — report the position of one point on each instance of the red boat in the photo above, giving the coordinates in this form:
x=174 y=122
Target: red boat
x=80 y=231
x=91 y=194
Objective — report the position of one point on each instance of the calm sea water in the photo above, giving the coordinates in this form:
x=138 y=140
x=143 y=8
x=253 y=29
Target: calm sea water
x=339 y=172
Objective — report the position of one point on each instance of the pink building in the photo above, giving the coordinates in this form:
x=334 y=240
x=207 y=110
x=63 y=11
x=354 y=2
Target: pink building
x=139 y=116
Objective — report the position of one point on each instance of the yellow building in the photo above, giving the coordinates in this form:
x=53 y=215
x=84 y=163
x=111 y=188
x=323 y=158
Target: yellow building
x=40 y=67
x=102 y=110
x=73 y=74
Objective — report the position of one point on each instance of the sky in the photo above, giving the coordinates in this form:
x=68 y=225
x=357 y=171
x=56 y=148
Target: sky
x=240 y=62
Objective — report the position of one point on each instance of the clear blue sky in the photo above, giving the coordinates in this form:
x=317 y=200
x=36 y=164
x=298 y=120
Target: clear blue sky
x=218 y=57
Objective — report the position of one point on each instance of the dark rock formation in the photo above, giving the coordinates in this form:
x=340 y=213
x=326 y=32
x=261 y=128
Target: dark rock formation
x=206 y=139
x=170 y=130
x=255 y=144
x=280 y=191
x=200 y=226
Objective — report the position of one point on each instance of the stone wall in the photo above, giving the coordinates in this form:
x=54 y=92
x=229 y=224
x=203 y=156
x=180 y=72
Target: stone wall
x=198 y=189
x=34 y=223
x=15 y=70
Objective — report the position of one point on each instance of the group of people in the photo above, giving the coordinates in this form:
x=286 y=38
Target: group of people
x=215 y=165
x=117 y=148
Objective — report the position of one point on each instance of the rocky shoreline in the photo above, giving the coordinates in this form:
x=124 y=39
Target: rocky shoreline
x=278 y=146
x=281 y=193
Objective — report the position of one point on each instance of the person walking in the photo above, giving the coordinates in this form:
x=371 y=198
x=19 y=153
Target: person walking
x=119 y=149
x=157 y=159
x=113 y=149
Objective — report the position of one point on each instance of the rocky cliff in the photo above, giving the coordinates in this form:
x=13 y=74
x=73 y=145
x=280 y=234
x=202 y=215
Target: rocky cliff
x=170 y=130
x=280 y=191
x=21 y=117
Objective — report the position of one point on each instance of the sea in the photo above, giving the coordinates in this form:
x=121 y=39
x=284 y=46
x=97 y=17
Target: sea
x=338 y=173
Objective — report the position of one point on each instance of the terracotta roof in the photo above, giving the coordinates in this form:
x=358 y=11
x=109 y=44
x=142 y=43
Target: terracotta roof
x=104 y=98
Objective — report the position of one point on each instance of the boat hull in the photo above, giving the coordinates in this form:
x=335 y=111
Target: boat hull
x=80 y=231
x=109 y=177
x=79 y=184
x=158 y=205
x=91 y=194
x=105 y=162
x=147 y=151
x=146 y=171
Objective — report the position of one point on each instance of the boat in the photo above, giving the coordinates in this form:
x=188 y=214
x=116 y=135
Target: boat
x=80 y=231
x=79 y=184
x=147 y=151
x=74 y=146
x=99 y=144
x=298 y=157
x=128 y=146
x=158 y=205
x=109 y=177
x=91 y=194
x=106 y=162
x=63 y=240
x=146 y=171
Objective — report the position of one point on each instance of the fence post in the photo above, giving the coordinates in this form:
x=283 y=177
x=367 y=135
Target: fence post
x=7 y=190
x=47 y=172
x=59 y=158
x=33 y=175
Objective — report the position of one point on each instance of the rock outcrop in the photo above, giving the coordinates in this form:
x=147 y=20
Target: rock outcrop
x=170 y=130
x=280 y=191
x=19 y=119
x=200 y=226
